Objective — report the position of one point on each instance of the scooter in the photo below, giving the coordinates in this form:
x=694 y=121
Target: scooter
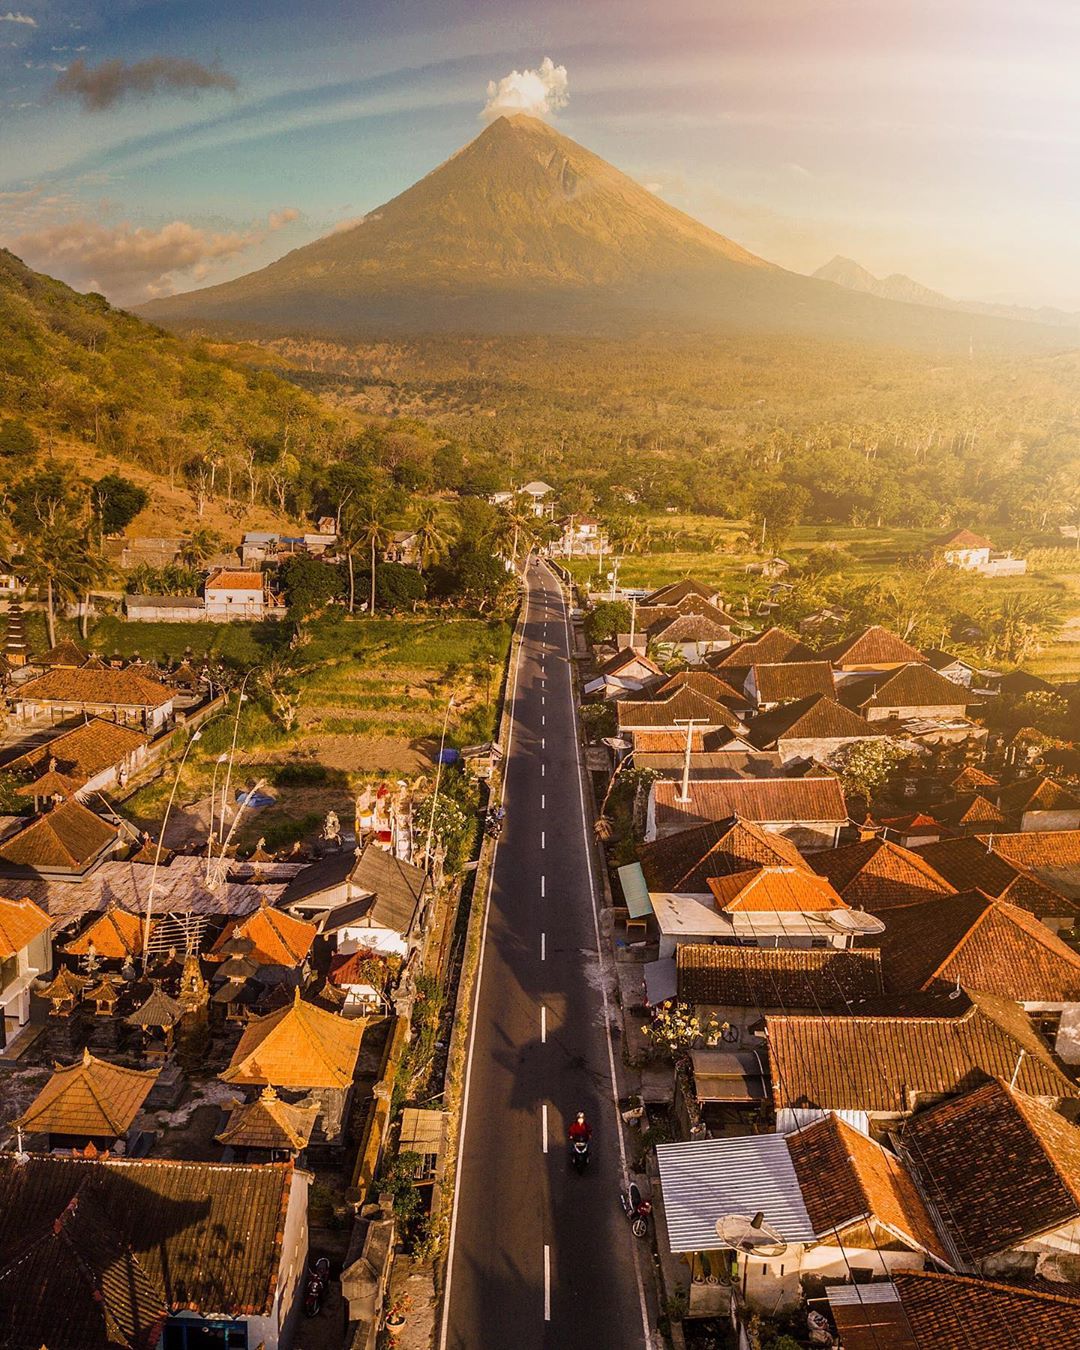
x=637 y=1209
x=315 y=1288
x=579 y=1154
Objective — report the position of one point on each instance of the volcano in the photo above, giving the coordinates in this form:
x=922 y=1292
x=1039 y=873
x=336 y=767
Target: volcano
x=525 y=231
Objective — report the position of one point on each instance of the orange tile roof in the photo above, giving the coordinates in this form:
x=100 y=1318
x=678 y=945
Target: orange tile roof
x=877 y=874
x=269 y=1123
x=704 y=682
x=971 y=809
x=775 y=644
x=763 y=800
x=114 y=936
x=84 y=751
x=1000 y=1166
x=962 y=538
x=237 y=581
x=845 y=1177
x=775 y=890
x=96 y=688
x=873 y=646
x=91 y=1097
x=775 y=977
x=69 y=836
x=1036 y=848
x=950 y=1312
x=916 y=685
x=65 y=654
x=970 y=779
x=685 y=861
x=298 y=1046
x=667 y=712
x=789 y=681
x=1037 y=794
x=20 y=923
x=277 y=939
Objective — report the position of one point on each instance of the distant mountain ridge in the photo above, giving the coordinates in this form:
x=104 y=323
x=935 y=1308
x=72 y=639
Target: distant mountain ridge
x=854 y=277
x=525 y=231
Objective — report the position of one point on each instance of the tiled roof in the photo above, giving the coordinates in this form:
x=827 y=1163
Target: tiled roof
x=51 y=784
x=775 y=890
x=877 y=874
x=675 y=591
x=236 y=581
x=788 y=681
x=269 y=1123
x=298 y=1046
x=685 y=861
x=845 y=1177
x=91 y=1097
x=66 y=983
x=980 y=943
x=114 y=935
x=674 y=742
x=819 y=717
x=85 y=1243
x=83 y=752
x=66 y=654
x=862 y=1063
x=702 y=682
x=106 y=687
x=397 y=886
x=666 y=712
x=969 y=862
x=690 y=628
x=20 y=923
x=67 y=837
x=775 y=977
x=627 y=656
x=972 y=779
x=971 y=809
x=774 y=645
x=652 y=617
x=873 y=646
x=158 y=1010
x=962 y=538
x=1037 y=794
x=999 y=1166
x=1036 y=848
x=949 y=1312
x=765 y=800
x=277 y=938
x=912 y=686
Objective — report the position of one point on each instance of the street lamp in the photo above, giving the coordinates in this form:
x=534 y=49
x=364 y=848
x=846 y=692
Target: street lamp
x=438 y=778
x=213 y=808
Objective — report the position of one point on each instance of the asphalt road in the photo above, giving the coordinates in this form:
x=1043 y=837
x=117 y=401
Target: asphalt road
x=542 y=1257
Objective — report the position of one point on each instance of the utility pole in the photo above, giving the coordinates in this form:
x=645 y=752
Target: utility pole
x=633 y=618
x=689 y=723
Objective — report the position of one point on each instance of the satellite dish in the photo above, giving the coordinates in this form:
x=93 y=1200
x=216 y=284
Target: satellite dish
x=743 y=1233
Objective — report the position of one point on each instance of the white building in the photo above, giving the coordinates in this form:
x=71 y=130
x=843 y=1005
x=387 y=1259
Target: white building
x=25 y=953
x=239 y=595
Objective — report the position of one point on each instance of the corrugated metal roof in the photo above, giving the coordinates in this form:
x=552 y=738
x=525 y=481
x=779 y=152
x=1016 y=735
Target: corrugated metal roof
x=635 y=890
x=708 y=1179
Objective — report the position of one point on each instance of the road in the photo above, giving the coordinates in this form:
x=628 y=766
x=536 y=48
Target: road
x=539 y=1256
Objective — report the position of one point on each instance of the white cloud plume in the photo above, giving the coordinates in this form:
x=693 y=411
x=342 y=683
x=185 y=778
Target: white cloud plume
x=15 y=16
x=537 y=92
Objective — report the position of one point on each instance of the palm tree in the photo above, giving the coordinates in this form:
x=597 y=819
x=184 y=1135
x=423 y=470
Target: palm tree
x=433 y=536
x=373 y=534
x=56 y=564
x=199 y=545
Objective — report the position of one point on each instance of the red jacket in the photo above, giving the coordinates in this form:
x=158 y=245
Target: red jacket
x=581 y=1129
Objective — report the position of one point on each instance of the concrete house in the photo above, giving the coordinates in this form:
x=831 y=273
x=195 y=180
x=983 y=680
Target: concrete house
x=972 y=553
x=25 y=953
x=872 y=651
x=810 y=812
x=98 y=755
x=906 y=693
x=1040 y=804
x=813 y=728
x=627 y=672
x=239 y=595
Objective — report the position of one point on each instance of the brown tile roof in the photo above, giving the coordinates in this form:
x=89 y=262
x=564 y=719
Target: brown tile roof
x=845 y=1177
x=114 y=935
x=158 y=1010
x=84 y=751
x=20 y=923
x=690 y=628
x=269 y=1123
x=775 y=977
x=1037 y=794
x=873 y=646
x=143 y=1236
x=877 y=874
x=298 y=1046
x=65 y=654
x=969 y=810
x=912 y=686
x=968 y=862
x=51 y=784
x=653 y=617
x=971 y=779
x=67 y=837
x=962 y=538
x=627 y=656
x=675 y=591
x=999 y=1166
x=685 y=861
x=107 y=687
x=950 y=1312
x=764 y=800
x=66 y=983
x=1036 y=848
x=674 y=742
x=91 y=1098
x=788 y=681
x=236 y=581
x=980 y=943
x=277 y=939
x=774 y=890
x=819 y=717
x=666 y=712
x=862 y=1063
x=774 y=645
x=703 y=682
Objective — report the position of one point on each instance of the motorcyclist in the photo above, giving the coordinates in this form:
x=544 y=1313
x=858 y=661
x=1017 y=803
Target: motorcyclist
x=580 y=1131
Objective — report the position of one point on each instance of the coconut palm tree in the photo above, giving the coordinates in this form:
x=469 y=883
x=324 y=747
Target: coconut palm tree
x=56 y=561
x=373 y=533
x=199 y=545
x=433 y=535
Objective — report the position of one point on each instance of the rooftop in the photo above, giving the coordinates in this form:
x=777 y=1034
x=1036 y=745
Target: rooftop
x=269 y=1123
x=776 y=977
x=297 y=1046
x=91 y=1097
x=20 y=923
x=774 y=645
x=102 y=687
x=685 y=861
x=916 y=685
x=114 y=935
x=788 y=681
x=775 y=889
x=817 y=717
x=774 y=801
x=876 y=874
x=873 y=646
x=67 y=838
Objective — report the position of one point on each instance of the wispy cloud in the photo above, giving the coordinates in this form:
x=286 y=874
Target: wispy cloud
x=16 y=16
x=539 y=92
x=100 y=87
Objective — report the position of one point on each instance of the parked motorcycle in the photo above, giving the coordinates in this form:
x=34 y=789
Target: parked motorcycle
x=579 y=1155
x=637 y=1209
x=315 y=1288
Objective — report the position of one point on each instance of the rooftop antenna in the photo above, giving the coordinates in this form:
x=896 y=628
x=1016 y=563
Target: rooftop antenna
x=1016 y=1071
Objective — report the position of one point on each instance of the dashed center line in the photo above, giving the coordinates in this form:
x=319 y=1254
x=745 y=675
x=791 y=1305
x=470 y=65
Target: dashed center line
x=543 y=799
x=547 y=1283
x=543 y=1126
x=543 y=770
x=543 y=1025
x=543 y=886
x=543 y=946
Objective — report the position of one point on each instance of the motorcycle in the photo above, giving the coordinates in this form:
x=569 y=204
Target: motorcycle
x=493 y=822
x=637 y=1209
x=315 y=1288
x=579 y=1154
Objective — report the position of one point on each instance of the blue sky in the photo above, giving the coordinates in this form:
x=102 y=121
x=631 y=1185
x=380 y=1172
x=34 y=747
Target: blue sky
x=933 y=137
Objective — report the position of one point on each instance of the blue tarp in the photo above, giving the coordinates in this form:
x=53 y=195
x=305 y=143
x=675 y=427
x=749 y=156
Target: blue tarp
x=253 y=799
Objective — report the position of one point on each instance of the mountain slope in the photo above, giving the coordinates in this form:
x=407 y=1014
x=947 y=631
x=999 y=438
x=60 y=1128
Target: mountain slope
x=523 y=230
x=851 y=275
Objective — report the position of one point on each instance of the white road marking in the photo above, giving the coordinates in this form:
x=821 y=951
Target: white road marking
x=543 y=742
x=543 y=839
x=543 y=886
x=543 y=951
x=543 y=700
x=543 y=770
x=543 y=1124
x=543 y=1025
x=543 y=798
x=543 y=719
x=547 y=1283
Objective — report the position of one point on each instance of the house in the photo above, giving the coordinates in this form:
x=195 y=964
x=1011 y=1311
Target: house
x=63 y=843
x=912 y=829
x=239 y=595
x=690 y=637
x=773 y=647
x=812 y=729
x=1040 y=804
x=302 y=1049
x=684 y=862
x=274 y=941
x=836 y=1200
x=538 y=492
x=972 y=861
x=99 y=755
x=259 y=546
x=872 y=651
x=922 y=1308
x=702 y=682
x=1002 y=1172
x=971 y=813
x=582 y=536
x=809 y=811
x=12 y=582
x=878 y=875
x=676 y=592
x=89 y=1102
x=627 y=672
x=403 y=547
x=125 y=696
x=875 y=1068
x=25 y=954
x=267 y=1129
x=374 y=901
x=913 y=691
x=137 y=1253
x=730 y=758
x=974 y=941
x=769 y=685
x=973 y=553
x=961 y=671
x=361 y=975
x=671 y=714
